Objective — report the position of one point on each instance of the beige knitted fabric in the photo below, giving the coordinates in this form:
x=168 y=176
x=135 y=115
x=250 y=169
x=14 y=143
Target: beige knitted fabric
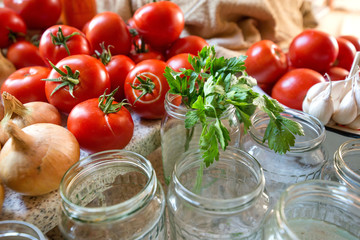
x=232 y=25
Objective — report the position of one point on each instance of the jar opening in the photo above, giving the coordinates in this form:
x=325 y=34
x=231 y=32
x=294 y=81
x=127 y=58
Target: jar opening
x=107 y=183
x=232 y=182
x=347 y=164
x=321 y=207
x=314 y=130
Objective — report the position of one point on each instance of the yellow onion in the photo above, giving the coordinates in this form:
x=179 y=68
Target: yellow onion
x=26 y=114
x=34 y=159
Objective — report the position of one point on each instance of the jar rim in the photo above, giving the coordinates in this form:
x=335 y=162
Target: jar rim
x=117 y=210
x=342 y=168
x=216 y=204
x=28 y=225
x=317 y=187
x=306 y=119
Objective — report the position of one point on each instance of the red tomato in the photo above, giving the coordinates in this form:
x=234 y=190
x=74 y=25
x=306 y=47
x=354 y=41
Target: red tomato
x=292 y=87
x=118 y=68
x=150 y=105
x=266 y=62
x=76 y=44
x=24 y=54
x=346 y=54
x=88 y=77
x=142 y=51
x=159 y=23
x=180 y=61
x=337 y=73
x=26 y=84
x=354 y=40
x=37 y=14
x=110 y=28
x=12 y=26
x=313 y=49
x=189 y=44
x=96 y=130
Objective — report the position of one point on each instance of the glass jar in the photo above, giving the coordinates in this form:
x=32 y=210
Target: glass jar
x=19 y=230
x=228 y=202
x=345 y=165
x=112 y=195
x=302 y=162
x=316 y=210
x=176 y=139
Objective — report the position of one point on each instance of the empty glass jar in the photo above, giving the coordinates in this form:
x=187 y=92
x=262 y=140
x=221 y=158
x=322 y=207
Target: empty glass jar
x=304 y=160
x=345 y=165
x=176 y=139
x=112 y=195
x=315 y=210
x=228 y=201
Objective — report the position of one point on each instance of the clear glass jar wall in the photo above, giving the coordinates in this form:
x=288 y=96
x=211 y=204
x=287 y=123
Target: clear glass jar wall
x=304 y=160
x=229 y=202
x=112 y=195
x=344 y=167
x=316 y=210
x=176 y=139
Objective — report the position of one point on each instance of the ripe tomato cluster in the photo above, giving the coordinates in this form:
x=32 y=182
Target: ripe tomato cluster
x=96 y=74
x=287 y=76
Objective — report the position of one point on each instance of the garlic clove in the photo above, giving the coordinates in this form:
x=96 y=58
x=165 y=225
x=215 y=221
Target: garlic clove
x=339 y=89
x=322 y=106
x=347 y=110
x=305 y=105
x=315 y=90
x=356 y=87
x=355 y=124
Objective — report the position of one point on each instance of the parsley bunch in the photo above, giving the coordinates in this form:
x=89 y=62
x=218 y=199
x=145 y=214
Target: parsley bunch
x=213 y=86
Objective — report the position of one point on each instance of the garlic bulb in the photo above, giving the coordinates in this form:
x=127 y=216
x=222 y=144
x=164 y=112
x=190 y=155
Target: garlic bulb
x=35 y=158
x=322 y=106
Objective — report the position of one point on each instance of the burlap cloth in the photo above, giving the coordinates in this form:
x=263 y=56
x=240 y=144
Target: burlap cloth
x=233 y=25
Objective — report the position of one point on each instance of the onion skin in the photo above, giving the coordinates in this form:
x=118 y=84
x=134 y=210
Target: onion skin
x=35 y=158
x=26 y=114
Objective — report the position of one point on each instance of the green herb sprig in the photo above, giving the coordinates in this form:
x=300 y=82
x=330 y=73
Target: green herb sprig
x=212 y=87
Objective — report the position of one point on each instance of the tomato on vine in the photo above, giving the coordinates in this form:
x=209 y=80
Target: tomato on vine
x=101 y=124
x=145 y=88
x=60 y=41
x=75 y=79
x=118 y=67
